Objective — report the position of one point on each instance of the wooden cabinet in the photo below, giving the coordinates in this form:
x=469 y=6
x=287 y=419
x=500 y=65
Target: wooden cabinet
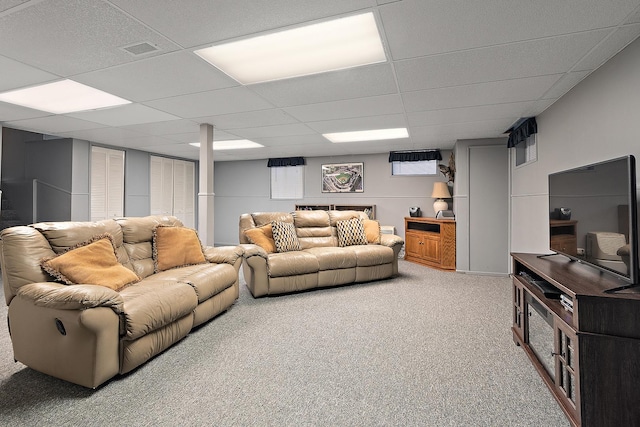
x=563 y=236
x=431 y=242
x=586 y=354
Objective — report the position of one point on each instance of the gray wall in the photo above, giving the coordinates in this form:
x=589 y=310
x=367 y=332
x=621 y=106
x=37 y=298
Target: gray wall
x=595 y=121
x=244 y=186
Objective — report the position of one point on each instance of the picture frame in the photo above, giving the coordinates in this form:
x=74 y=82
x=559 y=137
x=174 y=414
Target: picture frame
x=343 y=178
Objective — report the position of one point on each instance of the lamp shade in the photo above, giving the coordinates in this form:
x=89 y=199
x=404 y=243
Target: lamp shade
x=440 y=190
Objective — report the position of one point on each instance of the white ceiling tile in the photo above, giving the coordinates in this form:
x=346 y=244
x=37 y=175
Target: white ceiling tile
x=202 y=21
x=166 y=128
x=564 y=84
x=158 y=77
x=499 y=92
x=74 y=36
x=129 y=114
x=103 y=135
x=615 y=42
x=52 y=124
x=272 y=131
x=212 y=103
x=527 y=59
x=269 y=117
x=333 y=86
x=360 y=123
x=5 y=5
x=471 y=130
x=17 y=75
x=9 y=112
x=358 y=107
x=468 y=114
x=490 y=22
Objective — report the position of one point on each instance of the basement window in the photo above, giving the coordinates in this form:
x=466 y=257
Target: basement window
x=527 y=151
x=421 y=167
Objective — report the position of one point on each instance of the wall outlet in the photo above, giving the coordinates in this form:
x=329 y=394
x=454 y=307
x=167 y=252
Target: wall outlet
x=581 y=251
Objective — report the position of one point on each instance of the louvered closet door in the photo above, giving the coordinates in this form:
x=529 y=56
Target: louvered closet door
x=173 y=189
x=107 y=183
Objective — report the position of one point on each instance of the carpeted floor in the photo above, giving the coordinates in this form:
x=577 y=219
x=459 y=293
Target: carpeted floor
x=426 y=348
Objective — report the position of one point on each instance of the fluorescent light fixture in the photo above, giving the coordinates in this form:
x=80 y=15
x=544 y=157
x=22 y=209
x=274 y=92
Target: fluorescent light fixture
x=327 y=46
x=64 y=96
x=367 y=135
x=232 y=144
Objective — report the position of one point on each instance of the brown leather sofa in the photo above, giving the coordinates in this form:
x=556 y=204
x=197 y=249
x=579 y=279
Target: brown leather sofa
x=320 y=262
x=87 y=334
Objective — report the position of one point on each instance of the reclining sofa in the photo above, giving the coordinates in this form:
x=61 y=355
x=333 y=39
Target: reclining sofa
x=325 y=248
x=156 y=281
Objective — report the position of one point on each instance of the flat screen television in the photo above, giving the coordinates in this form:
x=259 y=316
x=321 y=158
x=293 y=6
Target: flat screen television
x=593 y=216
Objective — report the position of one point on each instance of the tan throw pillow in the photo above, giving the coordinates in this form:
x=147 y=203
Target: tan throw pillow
x=176 y=247
x=285 y=237
x=263 y=237
x=92 y=263
x=351 y=232
x=372 y=231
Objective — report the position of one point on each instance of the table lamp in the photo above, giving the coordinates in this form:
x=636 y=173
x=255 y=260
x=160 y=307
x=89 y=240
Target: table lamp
x=440 y=192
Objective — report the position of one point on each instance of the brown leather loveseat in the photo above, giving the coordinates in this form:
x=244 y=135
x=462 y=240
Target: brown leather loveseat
x=288 y=252
x=157 y=283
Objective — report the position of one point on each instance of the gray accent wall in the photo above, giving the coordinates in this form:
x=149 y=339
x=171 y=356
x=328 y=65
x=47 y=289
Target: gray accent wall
x=244 y=187
x=595 y=121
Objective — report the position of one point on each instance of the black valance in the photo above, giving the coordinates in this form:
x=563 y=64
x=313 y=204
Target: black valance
x=414 y=156
x=521 y=131
x=285 y=161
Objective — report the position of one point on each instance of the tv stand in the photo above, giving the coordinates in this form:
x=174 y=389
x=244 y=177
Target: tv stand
x=586 y=344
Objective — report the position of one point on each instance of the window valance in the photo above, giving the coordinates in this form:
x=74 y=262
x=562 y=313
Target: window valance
x=522 y=130
x=414 y=156
x=285 y=161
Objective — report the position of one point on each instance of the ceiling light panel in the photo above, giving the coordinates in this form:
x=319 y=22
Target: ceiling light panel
x=65 y=96
x=233 y=144
x=367 y=135
x=327 y=46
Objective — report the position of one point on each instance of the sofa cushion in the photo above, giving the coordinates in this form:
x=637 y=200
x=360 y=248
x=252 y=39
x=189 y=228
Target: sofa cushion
x=372 y=231
x=176 y=247
x=206 y=279
x=333 y=258
x=263 y=237
x=92 y=262
x=292 y=264
x=154 y=303
x=371 y=255
x=351 y=232
x=285 y=237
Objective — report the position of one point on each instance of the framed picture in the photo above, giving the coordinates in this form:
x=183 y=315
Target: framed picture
x=343 y=178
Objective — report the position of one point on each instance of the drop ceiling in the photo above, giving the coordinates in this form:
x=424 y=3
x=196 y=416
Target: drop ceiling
x=455 y=70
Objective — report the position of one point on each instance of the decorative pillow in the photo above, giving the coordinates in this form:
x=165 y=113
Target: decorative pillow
x=92 y=263
x=176 y=247
x=351 y=232
x=372 y=231
x=285 y=237
x=263 y=237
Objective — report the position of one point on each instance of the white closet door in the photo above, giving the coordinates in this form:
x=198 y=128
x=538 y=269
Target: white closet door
x=173 y=189
x=107 y=183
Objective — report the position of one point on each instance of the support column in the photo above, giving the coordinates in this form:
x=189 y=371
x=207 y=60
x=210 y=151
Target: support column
x=205 y=194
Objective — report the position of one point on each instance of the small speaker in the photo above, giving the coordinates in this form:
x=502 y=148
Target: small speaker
x=414 y=211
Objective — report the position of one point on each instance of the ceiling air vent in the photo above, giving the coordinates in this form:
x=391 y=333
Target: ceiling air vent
x=141 y=48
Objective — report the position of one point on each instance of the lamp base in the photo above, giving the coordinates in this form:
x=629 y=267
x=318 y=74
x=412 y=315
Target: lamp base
x=440 y=205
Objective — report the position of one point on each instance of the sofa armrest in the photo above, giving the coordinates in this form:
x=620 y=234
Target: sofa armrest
x=71 y=297
x=391 y=240
x=223 y=254
x=250 y=250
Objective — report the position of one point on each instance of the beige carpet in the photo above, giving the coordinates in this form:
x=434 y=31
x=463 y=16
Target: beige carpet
x=427 y=348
